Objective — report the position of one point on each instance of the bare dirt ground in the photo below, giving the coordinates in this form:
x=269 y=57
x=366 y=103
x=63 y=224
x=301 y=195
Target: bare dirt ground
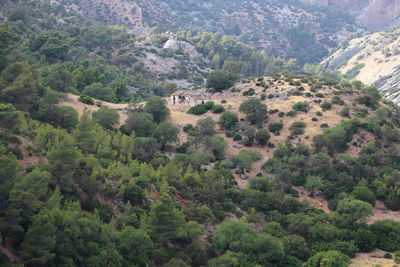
x=372 y=259
x=8 y=251
x=318 y=202
x=72 y=101
x=382 y=213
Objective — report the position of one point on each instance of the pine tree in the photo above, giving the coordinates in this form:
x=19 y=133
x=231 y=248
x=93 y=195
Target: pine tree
x=40 y=241
x=63 y=160
x=165 y=220
x=8 y=176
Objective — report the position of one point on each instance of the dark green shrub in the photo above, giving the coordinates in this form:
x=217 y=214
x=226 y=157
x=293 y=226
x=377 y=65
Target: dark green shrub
x=237 y=137
x=219 y=80
x=387 y=255
x=199 y=109
x=326 y=105
x=337 y=100
x=345 y=112
x=217 y=109
x=16 y=151
x=364 y=193
x=209 y=105
x=14 y=139
x=228 y=120
x=324 y=126
x=291 y=113
x=365 y=240
x=187 y=127
x=301 y=106
x=249 y=92
x=86 y=100
x=229 y=134
x=262 y=137
x=334 y=258
x=297 y=128
x=361 y=112
x=275 y=127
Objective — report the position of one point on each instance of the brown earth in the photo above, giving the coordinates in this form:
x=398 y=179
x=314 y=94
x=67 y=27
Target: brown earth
x=372 y=259
x=71 y=100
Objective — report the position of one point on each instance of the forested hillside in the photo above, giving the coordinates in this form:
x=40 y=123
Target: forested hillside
x=289 y=29
x=110 y=62
x=108 y=159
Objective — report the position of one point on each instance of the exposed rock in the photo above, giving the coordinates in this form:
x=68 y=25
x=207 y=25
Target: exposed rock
x=390 y=86
x=60 y=21
x=377 y=57
x=338 y=61
x=372 y=14
x=2 y=17
x=172 y=43
x=244 y=177
x=389 y=82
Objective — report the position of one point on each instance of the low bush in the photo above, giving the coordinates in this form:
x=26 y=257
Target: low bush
x=217 y=109
x=199 y=109
x=297 y=128
x=85 y=99
x=275 y=127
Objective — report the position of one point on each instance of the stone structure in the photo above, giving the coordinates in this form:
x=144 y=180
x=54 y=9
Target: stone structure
x=190 y=98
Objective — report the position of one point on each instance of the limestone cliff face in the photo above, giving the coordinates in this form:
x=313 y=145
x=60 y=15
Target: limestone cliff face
x=349 y=5
x=373 y=14
x=383 y=14
x=373 y=59
x=316 y=2
x=281 y=27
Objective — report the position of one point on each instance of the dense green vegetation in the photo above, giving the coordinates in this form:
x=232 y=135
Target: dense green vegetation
x=111 y=195
x=87 y=191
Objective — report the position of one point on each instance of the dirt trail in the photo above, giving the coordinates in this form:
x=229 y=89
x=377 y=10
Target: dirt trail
x=318 y=202
x=8 y=251
x=71 y=100
x=372 y=259
x=382 y=213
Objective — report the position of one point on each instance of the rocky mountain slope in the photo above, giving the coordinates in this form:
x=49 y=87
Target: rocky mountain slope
x=372 y=14
x=306 y=30
x=281 y=27
x=373 y=59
